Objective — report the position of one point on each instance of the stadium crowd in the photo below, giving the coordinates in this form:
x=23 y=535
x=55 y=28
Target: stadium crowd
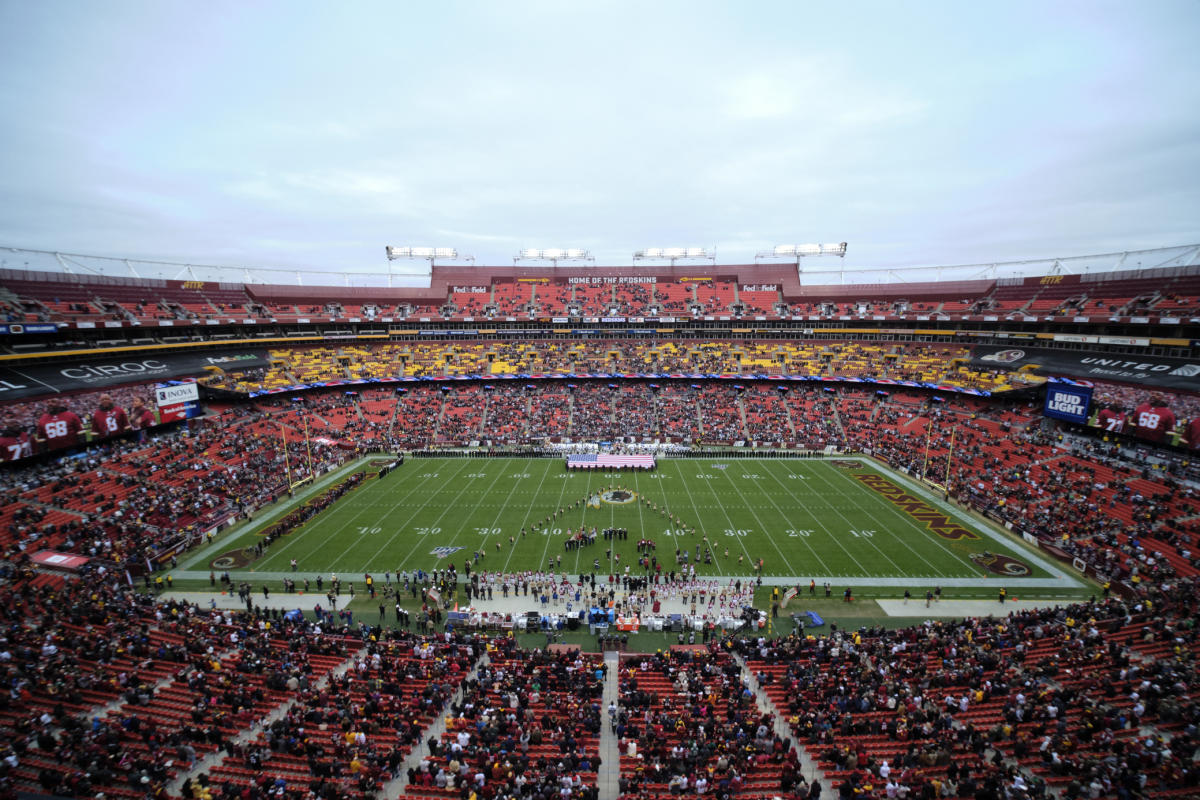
x=111 y=691
x=36 y=296
x=1096 y=700
x=1116 y=505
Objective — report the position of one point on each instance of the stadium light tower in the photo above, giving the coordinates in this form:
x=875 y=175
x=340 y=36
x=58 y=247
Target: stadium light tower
x=674 y=254
x=801 y=251
x=430 y=254
x=553 y=255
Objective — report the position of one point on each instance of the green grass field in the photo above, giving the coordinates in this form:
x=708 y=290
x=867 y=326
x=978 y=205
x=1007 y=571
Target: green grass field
x=845 y=521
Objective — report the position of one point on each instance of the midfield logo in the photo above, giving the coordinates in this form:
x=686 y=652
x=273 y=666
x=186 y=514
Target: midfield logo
x=442 y=552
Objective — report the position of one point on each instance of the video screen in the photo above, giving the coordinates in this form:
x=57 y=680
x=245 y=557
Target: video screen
x=1154 y=415
x=29 y=427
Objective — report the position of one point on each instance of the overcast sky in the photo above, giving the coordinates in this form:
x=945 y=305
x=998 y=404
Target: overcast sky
x=314 y=134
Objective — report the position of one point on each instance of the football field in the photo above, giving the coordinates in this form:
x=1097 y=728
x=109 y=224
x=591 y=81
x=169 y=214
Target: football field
x=844 y=521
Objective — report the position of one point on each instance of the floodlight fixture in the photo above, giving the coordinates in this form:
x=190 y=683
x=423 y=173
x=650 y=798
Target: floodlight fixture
x=673 y=254
x=430 y=254
x=425 y=253
x=553 y=254
x=801 y=251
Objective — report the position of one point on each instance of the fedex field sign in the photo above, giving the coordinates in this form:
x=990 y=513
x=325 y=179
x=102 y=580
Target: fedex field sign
x=1068 y=403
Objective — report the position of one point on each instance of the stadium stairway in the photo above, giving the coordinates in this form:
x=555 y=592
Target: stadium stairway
x=741 y=407
x=483 y=417
x=791 y=423
x=608 y=779
x=391 y=426
x=837 y=420
x=808 y=765
x=213 y=760
x=441 y=415
x=397 y=787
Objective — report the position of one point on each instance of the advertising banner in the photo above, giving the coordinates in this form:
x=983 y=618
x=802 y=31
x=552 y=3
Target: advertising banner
x=73 y=376
x=1174 y=373
x=1068 y=402
x=177 y=401
x=1153 y=414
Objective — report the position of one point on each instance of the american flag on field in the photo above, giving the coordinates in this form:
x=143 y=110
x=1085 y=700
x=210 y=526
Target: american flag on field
x=593 y=461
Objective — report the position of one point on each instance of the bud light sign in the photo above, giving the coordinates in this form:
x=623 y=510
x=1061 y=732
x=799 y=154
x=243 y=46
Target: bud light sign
x=1068 y=403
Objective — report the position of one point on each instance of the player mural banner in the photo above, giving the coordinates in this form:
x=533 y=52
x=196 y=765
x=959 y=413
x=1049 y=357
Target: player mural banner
x=1156 y=415
x=73 y=376
x=1068 y=402
x=1171 y=373
x=33 y=426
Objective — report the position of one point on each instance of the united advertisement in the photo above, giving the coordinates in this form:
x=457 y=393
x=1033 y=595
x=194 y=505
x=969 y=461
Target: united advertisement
x=1147 y=370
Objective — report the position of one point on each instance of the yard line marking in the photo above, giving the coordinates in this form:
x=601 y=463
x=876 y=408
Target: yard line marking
x=484 y=492
x=820 y=523
x=546 y=547
x=418 y=540
x=525 y=520
x=971 y=568
x=902 y=540
x=870 y=541
x=305 y=529
x=708 y=485
x=416 y=511
x=762 y=528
